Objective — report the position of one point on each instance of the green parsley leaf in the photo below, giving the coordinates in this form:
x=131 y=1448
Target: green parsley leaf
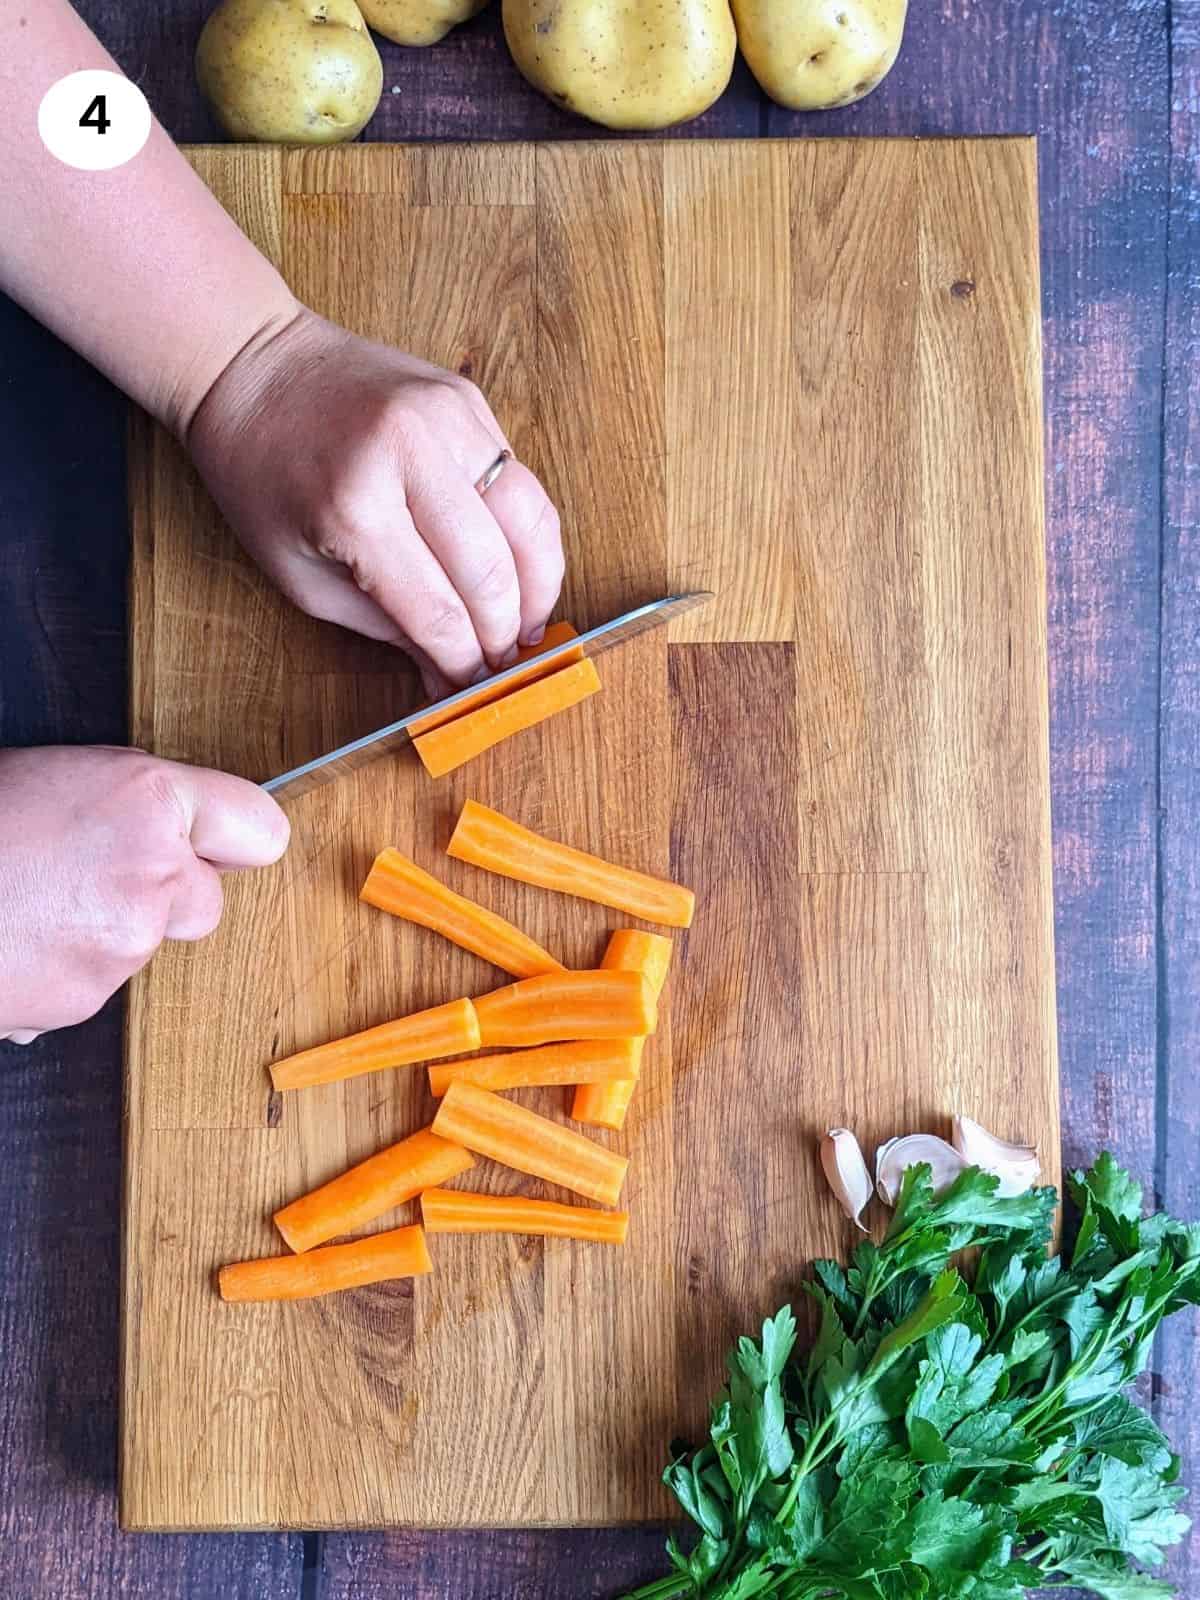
x=1113 y=1582
x=1121 y=1429
x=686 y=1482
x=949 y=1439
x=955 y=1538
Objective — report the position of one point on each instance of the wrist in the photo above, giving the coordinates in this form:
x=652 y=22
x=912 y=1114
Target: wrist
x=258 y=373
x=227 y=349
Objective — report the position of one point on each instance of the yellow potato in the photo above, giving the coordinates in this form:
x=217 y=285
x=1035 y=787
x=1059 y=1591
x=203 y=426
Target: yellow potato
x=289 y=71
x=625 y=63
x=418 y=21
x=813 y=54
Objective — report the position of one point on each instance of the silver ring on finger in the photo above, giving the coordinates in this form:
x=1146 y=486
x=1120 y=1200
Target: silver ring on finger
x=493 y=472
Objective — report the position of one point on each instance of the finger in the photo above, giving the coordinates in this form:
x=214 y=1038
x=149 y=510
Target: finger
x=329 y=592
x=454 y=521
x=21 y=1036
x=530 y=524
x=478 y=403
x=394 y=567
x=197 y=906
x=228 y=819
x=435 y=685
x=458 y=407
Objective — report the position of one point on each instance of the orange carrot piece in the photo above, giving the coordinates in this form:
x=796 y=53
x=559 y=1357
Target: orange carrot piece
x=460 y=741
x=449 y=1030
x=519 y=1138
x=591 y=1061
x=401 y=1253
x=557 y=633
x=379 y=1184
x=398 y=885
x=461 y=1211
x=487 y=839
x=567 y=1005
x=604 y=1104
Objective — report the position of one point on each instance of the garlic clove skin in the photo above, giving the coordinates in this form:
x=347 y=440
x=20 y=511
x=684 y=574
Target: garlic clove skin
x=1016 y=1165
x=846 y=1172
x=944 y=1161
x=881 y=1154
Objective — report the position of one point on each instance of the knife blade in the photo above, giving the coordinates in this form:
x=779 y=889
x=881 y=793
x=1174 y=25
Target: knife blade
x=349 y=757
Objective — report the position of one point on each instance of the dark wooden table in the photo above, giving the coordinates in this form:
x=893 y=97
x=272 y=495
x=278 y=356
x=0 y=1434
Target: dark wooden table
x=1113 y=91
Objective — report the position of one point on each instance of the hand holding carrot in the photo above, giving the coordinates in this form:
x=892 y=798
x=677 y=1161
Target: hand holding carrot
x=356 y=476
x=104 y=853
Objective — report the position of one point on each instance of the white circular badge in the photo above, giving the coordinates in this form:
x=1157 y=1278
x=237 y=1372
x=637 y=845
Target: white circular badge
x=94 y=120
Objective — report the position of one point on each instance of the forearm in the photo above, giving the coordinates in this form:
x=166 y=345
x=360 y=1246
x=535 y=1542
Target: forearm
x=140 y=269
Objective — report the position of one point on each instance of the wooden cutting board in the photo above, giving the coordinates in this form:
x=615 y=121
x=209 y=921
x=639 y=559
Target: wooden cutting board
x=804 y=375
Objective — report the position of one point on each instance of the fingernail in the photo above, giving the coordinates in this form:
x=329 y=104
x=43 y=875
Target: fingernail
x=509 y=656
x=534 y=636
x=481 y=676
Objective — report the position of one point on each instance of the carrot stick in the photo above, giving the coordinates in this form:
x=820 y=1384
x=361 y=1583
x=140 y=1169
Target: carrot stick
x=366 y=1191
x=487 y=839
x=519 y=1138
x=398 y=885
x=567 y=1005
x=604 y=1104
x=449 y=1030
x=402 y=1253
x=460 y=1211
x=557 y=633
x=460 y=741
x=591 y=1061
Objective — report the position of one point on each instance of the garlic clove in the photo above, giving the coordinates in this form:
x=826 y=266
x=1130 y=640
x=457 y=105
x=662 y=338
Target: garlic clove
x=1016 y=1165
x=891 y=1159
x=882 y=1150
x=846 y=1171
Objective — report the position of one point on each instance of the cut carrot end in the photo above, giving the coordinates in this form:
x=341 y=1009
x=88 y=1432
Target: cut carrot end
x=397 y=885
x=455 y=743
x=591 y=1061
x=402 y=1253
x=366 y=1191
x=601 y=1004
x=449 y=1030
x=519 y=1138
x=484 y=838
x=605 y=1105
x=462 y=1211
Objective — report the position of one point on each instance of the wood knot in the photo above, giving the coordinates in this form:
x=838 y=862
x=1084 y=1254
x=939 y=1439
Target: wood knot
x=963 y=289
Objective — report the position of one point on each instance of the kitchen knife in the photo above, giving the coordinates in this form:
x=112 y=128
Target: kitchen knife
x=348 y=757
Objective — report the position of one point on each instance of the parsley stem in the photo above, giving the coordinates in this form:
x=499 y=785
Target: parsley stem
x=735 y=1545
x=1089 y=1354
x=677 y=1583
x=1031 y=1555
x=874 y=1288
x=808 y=1462
x=1068 y=1291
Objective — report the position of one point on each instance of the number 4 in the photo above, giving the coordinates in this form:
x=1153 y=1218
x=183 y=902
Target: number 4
x=96 y=116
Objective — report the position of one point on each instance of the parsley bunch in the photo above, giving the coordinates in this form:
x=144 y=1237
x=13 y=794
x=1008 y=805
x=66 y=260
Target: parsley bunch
x=947 y=1438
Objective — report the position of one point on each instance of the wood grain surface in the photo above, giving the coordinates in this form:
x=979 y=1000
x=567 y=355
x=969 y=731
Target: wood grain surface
x=846 y=757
